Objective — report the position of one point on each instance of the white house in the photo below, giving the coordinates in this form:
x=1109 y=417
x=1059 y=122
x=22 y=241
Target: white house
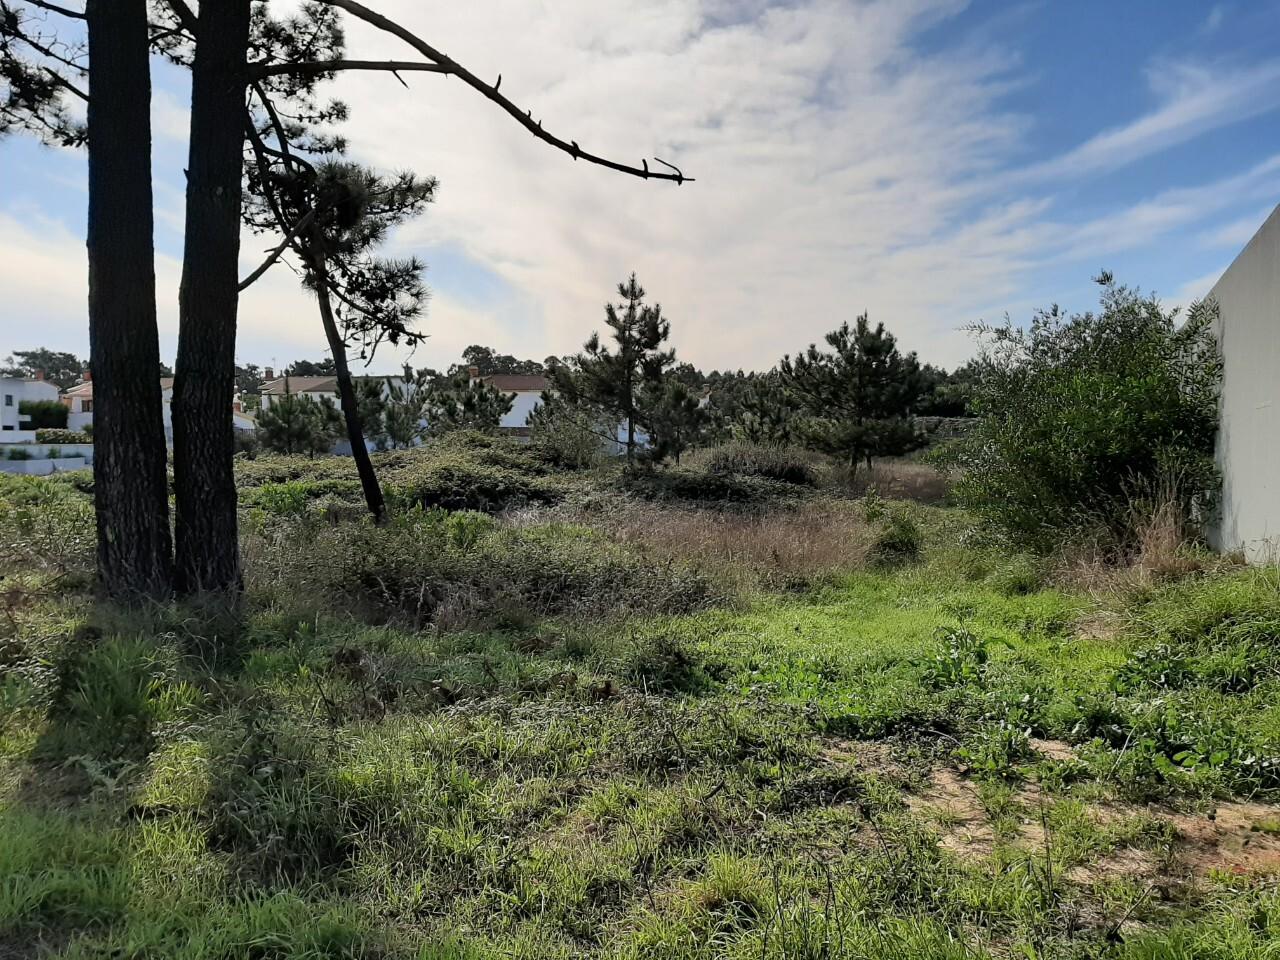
x=316 y=388
x=79 y=400
x=14 y=391
x=1248 y=297
x=525 y=392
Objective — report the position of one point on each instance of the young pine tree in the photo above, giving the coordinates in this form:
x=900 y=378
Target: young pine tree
x=295 y=424
x=458 y=403
x=858 y=400
x=676 y=418
x=766 y=414
x=617 y=379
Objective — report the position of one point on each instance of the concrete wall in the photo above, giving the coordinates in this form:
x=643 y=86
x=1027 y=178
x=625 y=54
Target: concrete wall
x=1248 y=297
x=42 y=468
x=41 y=450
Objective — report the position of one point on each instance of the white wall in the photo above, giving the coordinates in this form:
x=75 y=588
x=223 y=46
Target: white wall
x=1248 y=298
x=40 y=450
x=521 y=407
x=42 y=468
x=13 y=391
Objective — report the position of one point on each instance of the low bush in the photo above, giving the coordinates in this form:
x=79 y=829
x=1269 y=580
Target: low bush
x=63 y=436
x=459 y=483
x=435 y=567
x=17 y=453
x=785 y=464
x=694 y=486
x=898 y=542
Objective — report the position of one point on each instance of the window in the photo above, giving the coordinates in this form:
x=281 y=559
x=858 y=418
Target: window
x=8 y=399
x=8 y=426
x=86 y=406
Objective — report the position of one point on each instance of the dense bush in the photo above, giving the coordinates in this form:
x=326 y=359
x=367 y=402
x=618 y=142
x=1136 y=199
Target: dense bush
x=44 y=414
x=1078 y=412
x=461 y=471
x=694 y=486
x=459 y=483
x=62 y=436
x=774 y=462
x=457 y=568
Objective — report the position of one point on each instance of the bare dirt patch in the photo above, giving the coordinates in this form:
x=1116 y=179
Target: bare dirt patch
x=1236 y=838
x=1239 y=838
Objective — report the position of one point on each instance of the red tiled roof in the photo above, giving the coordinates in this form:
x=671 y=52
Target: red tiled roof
x=514 y=382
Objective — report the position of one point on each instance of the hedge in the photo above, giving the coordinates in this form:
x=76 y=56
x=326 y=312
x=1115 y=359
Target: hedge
x=62 y=436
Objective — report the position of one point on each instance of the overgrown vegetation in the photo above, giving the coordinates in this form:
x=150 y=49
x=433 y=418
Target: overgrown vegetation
x=1082 y=415
x=729 y=710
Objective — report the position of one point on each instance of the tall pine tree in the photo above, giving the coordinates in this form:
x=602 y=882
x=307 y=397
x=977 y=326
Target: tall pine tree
x=858 y=400
x=617 y=379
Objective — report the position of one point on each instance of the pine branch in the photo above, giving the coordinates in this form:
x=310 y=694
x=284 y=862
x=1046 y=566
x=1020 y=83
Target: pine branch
x=490 y=92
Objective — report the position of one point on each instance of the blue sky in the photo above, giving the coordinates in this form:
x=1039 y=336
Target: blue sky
x=932 y=161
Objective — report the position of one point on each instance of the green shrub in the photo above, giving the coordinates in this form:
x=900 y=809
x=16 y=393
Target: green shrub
x=283 y=499
x=457 y=569
x=696 y=487
x=17 y=453
x=62 y=436
x=458 y=483
x=43 y=414
x=785 y=464
x=1077 y=412
x=898 y=542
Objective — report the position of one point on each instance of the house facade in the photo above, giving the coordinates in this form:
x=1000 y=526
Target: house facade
x=315 y=388
x=525 y=392
x=79 y=401
x=1248 y=297
x=14 y=391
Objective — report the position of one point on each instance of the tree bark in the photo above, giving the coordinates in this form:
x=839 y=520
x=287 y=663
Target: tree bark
x=130 y=486
x=207 y=549
x=346 y=391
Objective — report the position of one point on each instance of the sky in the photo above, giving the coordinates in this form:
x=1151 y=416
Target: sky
x=933 y=162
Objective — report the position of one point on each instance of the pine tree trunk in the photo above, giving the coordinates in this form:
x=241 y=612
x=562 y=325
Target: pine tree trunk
x=347 y=395
x=207 y=549
x=130 y=487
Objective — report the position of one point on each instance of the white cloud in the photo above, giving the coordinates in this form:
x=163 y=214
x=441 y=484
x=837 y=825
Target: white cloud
x=1194 y=100
x=838 y=170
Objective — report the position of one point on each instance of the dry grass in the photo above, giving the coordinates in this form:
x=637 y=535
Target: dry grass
x=897 y=480
x=1162 y=545
x=815 y=540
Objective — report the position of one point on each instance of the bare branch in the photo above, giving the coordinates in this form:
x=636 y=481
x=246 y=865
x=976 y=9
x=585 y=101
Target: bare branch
x=490 y=92
x=259 y=71
x=54 y=8
x=303 y=222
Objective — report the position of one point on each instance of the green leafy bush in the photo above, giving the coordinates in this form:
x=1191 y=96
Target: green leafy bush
x=62 y=436
x=773 y=462
x=42 y=414
x=17 y=453
x=898 y=542
x=458 y=483
x=1077 y=412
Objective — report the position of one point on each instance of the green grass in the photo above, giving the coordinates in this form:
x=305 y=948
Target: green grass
x=852 y=769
